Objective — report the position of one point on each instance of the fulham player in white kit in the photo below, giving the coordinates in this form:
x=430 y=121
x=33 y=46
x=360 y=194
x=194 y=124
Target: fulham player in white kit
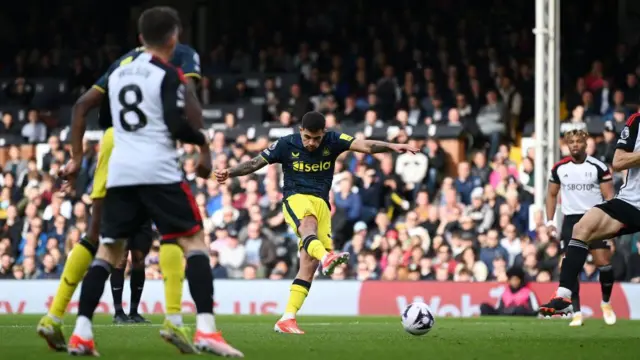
x=147 y=103
x=612 y=218
x=582 y=182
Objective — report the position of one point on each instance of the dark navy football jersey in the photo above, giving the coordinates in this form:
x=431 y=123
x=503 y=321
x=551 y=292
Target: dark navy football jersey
x=184 y=57
x=305 y=172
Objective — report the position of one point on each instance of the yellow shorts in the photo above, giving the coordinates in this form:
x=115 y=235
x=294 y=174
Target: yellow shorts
x=100 y=176
x=298 y=206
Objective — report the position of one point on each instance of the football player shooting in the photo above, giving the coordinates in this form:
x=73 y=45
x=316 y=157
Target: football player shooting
x=308 y=160
x=583 y=182
x=50 y=326
x=612 y=218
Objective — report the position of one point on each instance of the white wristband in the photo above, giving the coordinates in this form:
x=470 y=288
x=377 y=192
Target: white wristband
x=551 y=223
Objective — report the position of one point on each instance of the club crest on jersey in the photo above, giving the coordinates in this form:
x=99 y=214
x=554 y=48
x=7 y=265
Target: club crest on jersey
x=326 y=152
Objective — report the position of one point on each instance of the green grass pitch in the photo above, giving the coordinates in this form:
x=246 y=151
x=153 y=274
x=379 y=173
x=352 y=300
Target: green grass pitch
x=352 y=338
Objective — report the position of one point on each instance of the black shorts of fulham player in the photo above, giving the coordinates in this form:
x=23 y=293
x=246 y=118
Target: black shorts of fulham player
x=583 y=183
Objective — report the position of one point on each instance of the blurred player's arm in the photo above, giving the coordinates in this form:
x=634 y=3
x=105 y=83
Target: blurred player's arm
x=625 y=158
x=553 y=190
x=89 y=100
x=193 y=109
x=173 y=102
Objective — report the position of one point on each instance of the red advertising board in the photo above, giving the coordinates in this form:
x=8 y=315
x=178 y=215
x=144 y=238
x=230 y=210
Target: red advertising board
x=464 y=299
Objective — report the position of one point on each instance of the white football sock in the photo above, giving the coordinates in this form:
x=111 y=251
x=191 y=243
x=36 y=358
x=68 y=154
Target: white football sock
x=206 y=323
x=564 y=293
x=83 y=328
x=175 y=319
x=287 y=316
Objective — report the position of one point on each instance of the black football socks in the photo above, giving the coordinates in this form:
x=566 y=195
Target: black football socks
x=136 y=285
x=606 y=281
x=117 y=284
x=93 y=287
x=572 y=264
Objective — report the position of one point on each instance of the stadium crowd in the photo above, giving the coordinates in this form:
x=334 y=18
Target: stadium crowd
x=401 y=217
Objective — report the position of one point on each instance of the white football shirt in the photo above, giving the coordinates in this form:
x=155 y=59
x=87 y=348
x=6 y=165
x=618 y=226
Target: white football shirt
x=580 y=183
x=144 y=149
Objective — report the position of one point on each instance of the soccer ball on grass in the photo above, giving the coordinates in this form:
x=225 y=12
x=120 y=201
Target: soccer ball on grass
x=417 y=319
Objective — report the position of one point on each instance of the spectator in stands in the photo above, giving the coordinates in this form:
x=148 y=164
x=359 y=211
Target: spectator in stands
x=491 y=121
x=34 y=131
x=6 y=262
x=20 y=92
x=634 y=264
x=349 y=200
x=492 y=249
x=9 y=125
x=232 y=254
x=437 y=164
x=14 y=165
x=466 y=182
x=297 y=104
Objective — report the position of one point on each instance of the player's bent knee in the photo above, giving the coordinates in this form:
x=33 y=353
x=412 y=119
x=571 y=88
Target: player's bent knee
x=582 y=230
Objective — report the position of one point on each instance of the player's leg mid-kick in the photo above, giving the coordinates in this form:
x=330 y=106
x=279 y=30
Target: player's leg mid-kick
x=308 y=163
x=596 y=224
x=314 y=250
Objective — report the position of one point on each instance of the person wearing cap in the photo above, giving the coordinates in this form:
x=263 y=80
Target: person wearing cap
x=480 y=212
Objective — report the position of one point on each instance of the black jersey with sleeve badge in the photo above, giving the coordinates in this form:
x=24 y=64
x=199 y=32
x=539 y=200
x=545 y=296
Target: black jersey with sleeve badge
x=309 y=173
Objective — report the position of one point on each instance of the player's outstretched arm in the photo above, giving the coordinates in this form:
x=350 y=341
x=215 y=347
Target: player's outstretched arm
x=624 y=160
x=242 y=169
x=376 y=147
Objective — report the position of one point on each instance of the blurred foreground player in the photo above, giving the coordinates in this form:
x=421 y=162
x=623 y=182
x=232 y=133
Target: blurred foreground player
x=50 y=326
x=147 y=102
x=582 y=182
x=308 y=160
x=615 y=217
